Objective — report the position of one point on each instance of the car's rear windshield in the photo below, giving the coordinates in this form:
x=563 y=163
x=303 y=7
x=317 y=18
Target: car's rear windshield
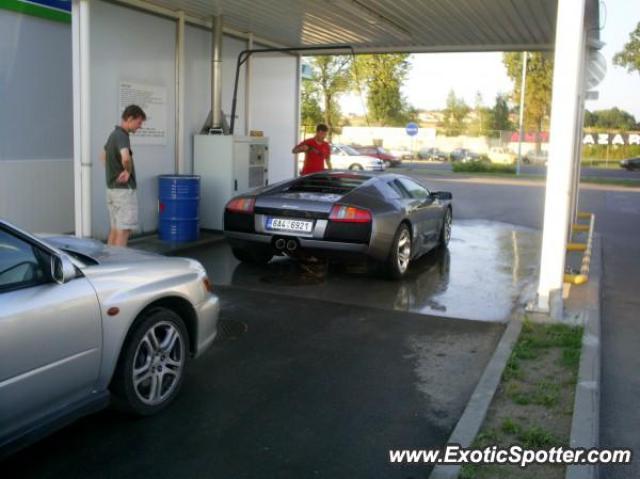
x=333 y=183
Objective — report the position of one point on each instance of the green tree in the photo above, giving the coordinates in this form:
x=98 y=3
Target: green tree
x=310 y=110
x=331 y=77
x=500 y=115
x=611 y=119
x=454 y=114
x=382 y=77
x=537 y=97
x=483 y=118
x=589 y=119
x=629 y=57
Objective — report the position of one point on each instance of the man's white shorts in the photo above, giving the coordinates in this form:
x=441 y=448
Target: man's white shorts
x=123 y=208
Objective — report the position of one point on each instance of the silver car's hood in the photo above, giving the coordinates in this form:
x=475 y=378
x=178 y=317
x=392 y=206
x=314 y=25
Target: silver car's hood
x=97 y=250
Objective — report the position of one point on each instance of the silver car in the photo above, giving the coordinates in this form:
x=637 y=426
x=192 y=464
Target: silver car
x=83 y=325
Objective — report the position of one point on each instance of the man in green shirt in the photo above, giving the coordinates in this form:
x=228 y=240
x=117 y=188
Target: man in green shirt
x=117 y=157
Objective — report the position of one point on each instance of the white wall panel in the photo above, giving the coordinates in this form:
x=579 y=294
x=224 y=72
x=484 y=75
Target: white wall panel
x=36 y=118
x=197 y=56
x=36 y=123
x=37 y=194
x=128 y=45
x=274 y=109
x=231 y=47
x=198 y=78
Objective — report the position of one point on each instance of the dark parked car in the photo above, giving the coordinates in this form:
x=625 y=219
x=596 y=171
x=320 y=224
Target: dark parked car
x=433 y=154
x=630 y=164
x=463 y=155
x=389 y=218
x=380 y=153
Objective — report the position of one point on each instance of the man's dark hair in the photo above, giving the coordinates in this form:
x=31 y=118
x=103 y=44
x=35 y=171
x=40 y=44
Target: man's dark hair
x=133 y=111
x=322 y=127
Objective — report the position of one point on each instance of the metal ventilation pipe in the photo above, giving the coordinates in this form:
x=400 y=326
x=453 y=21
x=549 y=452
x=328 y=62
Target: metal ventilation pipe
x=216 y=72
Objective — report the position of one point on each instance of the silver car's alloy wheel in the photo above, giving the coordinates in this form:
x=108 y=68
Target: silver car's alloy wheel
x=447 y=227
x=404 y=250
x=158 y=363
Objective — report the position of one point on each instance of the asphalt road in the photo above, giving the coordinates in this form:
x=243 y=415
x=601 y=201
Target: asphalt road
x=613 y=173
x=618 y=223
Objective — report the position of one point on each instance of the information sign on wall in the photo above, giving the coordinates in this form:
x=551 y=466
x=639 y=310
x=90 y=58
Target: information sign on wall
x=153 y=100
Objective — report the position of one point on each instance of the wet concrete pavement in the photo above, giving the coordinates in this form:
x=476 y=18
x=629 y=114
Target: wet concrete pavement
x=488 y=268
x=293 y=389
x=618 y=223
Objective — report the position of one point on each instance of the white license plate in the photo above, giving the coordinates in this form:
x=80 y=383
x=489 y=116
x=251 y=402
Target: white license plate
x=285 y=224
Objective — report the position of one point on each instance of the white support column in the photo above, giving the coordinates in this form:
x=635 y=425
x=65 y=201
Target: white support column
x=577 y=166
x=296 y=133
x=181 y=167
x=523 y=90
x=81 y=117
x=247 y=88
x=568 y=62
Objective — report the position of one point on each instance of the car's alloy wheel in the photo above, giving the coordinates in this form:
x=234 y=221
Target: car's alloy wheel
x=152 y=362
x=445 y=233
x=158 y=363
x=404 y=250
x=356 y=167
x=400 y=254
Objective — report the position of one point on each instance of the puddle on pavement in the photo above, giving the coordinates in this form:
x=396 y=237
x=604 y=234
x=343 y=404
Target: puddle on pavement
x=487 y=269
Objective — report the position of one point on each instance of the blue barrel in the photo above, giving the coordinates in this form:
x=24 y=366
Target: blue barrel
x=178 y=208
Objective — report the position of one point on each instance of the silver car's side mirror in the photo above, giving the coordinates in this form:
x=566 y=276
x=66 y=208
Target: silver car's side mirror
x=62 y=269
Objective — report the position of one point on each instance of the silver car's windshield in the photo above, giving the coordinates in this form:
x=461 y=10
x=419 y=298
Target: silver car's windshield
x=349 y=151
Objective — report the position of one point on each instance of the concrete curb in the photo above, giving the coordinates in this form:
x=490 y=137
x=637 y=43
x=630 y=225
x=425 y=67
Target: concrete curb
x=474 y=414
x=585 y=425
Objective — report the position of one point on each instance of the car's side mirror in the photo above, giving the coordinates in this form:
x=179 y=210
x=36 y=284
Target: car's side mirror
x=62 y=269
x=441 y=195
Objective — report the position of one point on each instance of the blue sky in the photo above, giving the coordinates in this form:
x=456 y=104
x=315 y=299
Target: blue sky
x=433 y=75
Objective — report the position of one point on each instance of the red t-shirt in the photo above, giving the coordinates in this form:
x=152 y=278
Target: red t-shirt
x=315 y=156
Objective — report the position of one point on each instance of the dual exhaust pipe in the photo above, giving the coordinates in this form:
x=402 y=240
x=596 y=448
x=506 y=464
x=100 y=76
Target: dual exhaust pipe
x=290 y=245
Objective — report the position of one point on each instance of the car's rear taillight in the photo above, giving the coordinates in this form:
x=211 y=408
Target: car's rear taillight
x=241 y=205
x=349 y=214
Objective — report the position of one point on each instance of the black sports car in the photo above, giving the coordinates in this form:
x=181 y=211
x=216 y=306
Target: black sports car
x=387 y=217
x=630 y=164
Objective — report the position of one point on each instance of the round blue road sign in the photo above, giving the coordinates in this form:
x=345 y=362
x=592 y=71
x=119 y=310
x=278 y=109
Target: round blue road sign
x=412 y=129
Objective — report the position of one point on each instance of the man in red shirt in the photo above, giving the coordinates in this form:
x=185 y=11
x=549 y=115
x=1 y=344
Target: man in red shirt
x=316 y=151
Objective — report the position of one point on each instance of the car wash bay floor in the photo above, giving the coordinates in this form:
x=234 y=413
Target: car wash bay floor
x=487 y=268
x=301 y=386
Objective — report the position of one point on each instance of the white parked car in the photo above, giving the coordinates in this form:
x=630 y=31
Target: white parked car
x=501 y=155
x=344 y=157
